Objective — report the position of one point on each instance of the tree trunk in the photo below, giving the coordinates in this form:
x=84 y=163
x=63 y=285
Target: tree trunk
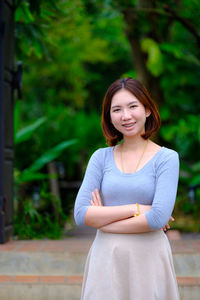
x=139 y=57
x=54 y=187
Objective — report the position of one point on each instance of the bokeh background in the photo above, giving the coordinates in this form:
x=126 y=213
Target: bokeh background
x=71 y=52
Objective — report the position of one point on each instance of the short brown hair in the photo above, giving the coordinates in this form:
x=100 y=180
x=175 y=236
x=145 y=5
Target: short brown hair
x=153 y=122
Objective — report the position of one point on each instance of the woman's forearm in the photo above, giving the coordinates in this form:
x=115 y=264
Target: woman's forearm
x=98 y=216
x=132 y=225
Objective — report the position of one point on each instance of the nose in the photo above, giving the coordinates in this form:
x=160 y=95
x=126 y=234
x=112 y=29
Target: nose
x=126 y=115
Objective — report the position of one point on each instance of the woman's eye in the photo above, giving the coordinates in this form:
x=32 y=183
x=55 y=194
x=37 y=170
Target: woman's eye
x=116 y=110
x=132 y=106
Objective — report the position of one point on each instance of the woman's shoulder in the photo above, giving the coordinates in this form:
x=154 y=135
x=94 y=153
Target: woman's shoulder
x=168 y=152
x=162 y=152
x=167 y=157
x=102 y=153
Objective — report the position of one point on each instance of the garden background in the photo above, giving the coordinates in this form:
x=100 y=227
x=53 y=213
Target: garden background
x=71 y=52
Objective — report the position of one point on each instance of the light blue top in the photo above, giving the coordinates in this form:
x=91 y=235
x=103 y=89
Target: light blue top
x=154 y=184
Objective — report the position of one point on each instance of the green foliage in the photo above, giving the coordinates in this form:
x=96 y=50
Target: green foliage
x=23 y=13
x=61 y=123
x=73 y=50
x=50 y=155
x=154 y=61
x=191 y=174
x=26 y=132
x=185 y=134
x=178 y=52
x=31 y=173
x=31 y=17
x=41 y=222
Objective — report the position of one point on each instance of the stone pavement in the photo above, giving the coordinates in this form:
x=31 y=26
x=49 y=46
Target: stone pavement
x=53 y=270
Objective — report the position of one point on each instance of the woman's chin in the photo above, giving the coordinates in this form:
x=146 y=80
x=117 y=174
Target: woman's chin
x=133 y=133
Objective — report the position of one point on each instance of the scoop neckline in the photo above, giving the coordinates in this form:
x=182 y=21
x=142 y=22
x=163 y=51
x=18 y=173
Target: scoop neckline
x=138 y=171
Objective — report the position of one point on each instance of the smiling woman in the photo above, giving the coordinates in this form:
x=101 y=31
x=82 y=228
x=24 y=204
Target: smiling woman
x=128 y=194
x=126 y=100
x=128 y=115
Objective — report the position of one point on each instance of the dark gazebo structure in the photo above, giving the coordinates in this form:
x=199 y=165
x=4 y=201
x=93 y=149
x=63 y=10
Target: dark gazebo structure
x=7 y=85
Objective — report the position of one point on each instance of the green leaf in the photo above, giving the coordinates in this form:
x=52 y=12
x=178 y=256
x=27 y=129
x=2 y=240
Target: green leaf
x=168 y=132
x=185 y=167
x=130 y=73
x=177 y=52
x=23 y=13
x=172 y=49
x=50 y=155
x=195 y=180
x=26 y=176
x=165 y=113
x=154 y=61
x=196 y=167
x=31 y=211
x=25 y=133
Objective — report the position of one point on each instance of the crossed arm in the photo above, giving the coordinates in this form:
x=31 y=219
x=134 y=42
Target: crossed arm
x=117 y=219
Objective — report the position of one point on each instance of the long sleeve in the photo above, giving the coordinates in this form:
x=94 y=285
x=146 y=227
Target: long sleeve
x=92 y=180
x=167 y=174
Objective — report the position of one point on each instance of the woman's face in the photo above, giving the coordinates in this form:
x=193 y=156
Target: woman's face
x=128 y=114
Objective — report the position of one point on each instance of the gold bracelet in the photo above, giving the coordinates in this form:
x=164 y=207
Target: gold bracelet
x=138 y=208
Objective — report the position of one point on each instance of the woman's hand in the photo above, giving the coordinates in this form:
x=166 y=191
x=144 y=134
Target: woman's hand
x=143 y=208
x=96 y=198
x=167 y=226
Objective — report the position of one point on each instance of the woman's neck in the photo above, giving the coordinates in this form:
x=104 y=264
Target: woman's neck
x=133 y=143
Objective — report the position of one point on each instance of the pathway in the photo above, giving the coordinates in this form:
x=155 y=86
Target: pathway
x=51 y=270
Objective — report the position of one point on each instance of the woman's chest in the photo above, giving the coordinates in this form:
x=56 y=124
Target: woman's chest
x=119 y=189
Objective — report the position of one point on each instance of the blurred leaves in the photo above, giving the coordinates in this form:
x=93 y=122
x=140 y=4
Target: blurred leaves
x=73 y=50
x=50 y=155
x=26 y=132
x=182 y=133
x=178 y=53
x=23 y=13
x=154 y=61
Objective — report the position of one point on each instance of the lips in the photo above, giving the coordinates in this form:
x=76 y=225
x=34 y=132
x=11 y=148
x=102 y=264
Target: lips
x=129 y=125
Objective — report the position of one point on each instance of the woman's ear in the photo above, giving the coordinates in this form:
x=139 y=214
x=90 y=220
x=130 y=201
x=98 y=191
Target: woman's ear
x=147 y=112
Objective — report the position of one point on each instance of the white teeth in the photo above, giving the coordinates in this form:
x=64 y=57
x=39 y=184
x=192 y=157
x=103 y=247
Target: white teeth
x=128 y=125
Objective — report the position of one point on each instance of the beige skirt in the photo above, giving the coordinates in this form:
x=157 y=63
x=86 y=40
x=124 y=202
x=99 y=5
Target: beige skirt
x=130 y=267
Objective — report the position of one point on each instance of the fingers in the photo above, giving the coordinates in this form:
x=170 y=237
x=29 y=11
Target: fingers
x=166 y=227
x=96 y=198
x=93 y=202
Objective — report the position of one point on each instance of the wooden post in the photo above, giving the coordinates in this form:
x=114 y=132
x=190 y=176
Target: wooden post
x=6 y=118
x=54 y=187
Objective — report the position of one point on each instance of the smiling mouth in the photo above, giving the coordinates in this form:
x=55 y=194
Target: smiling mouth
x=128 y=125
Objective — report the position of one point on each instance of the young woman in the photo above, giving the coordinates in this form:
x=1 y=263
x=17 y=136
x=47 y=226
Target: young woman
x=128 y=194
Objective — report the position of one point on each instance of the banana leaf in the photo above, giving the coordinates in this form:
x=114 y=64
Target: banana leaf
x=48 y=156
x=25 y=133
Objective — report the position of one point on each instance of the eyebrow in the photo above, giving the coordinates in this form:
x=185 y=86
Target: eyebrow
x=132 y=102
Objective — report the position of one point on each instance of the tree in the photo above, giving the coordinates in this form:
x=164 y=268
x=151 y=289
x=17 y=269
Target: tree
x=75 y=49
